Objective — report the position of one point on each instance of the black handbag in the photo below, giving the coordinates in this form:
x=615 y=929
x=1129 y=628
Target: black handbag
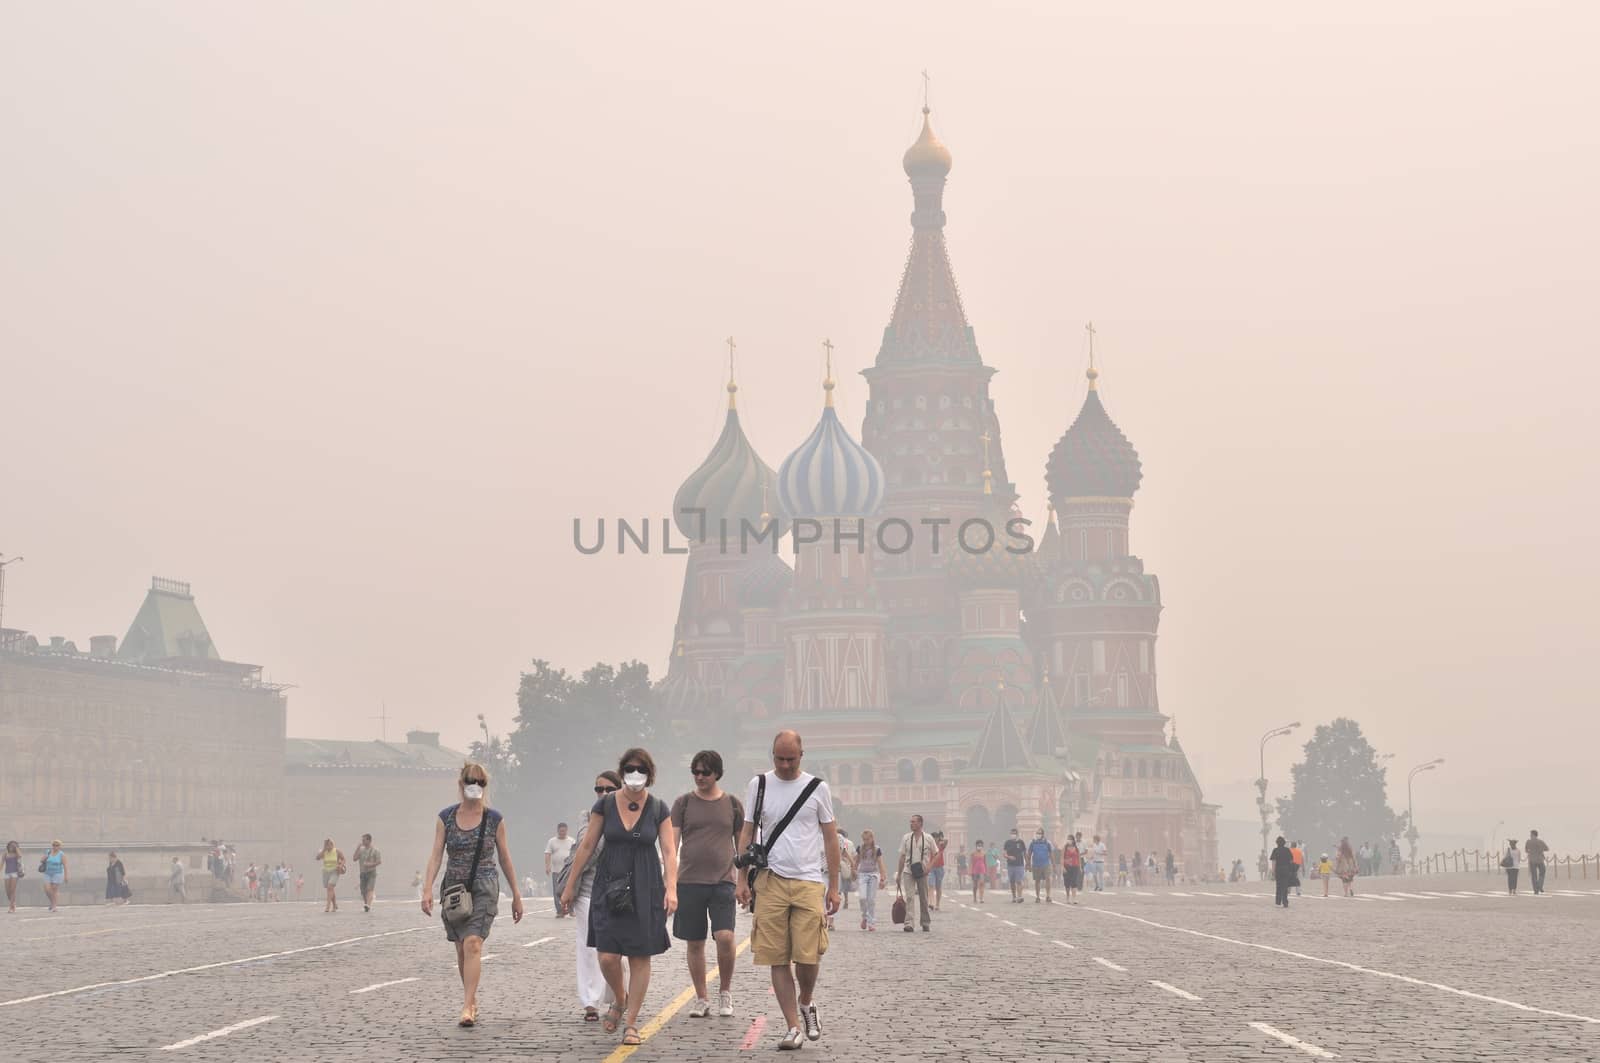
x=619 y=896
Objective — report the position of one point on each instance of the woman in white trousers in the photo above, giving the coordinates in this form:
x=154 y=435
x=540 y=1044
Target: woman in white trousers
x=870 y=875
x=593 y=993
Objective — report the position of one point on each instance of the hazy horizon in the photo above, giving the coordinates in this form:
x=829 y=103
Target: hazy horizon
x=349 y=344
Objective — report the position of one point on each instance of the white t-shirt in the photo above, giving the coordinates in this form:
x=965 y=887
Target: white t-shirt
x=557 y=849
x=795 y=854
x=1099 y=852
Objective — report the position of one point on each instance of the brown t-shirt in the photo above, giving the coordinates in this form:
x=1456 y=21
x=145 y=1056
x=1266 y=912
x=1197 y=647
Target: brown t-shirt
x=708 y=842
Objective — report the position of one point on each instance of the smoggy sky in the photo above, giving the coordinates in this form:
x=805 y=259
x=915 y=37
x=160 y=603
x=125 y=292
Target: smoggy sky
x=343 y=312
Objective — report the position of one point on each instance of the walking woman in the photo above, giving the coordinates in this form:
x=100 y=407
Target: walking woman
x=592 y=989
x=332 y=859
x=54 y=866
x=1285 y=873
x=871 y=873
x=117 y=891
x=468 y=838
x=1072 y=868
x=632 y=896
x=1346 y=867
x=980 y=872
x=13 y=874
x=1511 y=862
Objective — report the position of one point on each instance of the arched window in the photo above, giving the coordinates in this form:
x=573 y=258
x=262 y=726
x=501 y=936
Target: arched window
x=907 y=771
x=842 y=774
x=930 y=770
x=864 y=774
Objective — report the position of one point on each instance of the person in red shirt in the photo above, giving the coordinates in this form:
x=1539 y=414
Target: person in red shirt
x=1299 y=853
x=1072 y=868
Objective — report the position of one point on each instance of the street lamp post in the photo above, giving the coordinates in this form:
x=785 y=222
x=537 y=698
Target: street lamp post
x=1261 y=782
x=1411 y=815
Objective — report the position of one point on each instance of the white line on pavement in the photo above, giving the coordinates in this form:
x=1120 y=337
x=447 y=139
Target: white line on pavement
x=1351 y=967
x=1136 y=893
x=1175 y=893
x=207 y=967
x=1025 y=930
x=381 y=985
x=1102 y=961
x=541 y=941
x=1294 y=1042
x=225 y=1031
x=1008 y=922
x=1413 y=896
x=991 y=915
x=1063 y=944
x=487 y=957
x=1174 y=990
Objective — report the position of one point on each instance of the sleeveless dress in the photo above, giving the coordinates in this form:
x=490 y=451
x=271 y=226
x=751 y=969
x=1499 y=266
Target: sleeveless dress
x=643 y=931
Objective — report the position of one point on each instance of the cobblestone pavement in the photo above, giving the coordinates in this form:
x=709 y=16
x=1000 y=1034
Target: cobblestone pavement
x=1443 y=968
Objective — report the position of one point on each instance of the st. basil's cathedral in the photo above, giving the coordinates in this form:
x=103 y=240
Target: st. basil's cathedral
x=983 y=688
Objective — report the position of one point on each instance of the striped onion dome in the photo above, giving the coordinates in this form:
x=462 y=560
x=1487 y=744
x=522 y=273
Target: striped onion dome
x=730 y=483
x=830 y=474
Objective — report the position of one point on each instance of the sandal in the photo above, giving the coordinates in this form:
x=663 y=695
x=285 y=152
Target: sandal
x=590 y=1015
x=630 y=1036
x=612 y=1019
x=469 y=1016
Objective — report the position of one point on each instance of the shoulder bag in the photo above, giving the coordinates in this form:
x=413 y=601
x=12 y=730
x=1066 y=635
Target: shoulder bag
x=455 y=903
x=619 y=897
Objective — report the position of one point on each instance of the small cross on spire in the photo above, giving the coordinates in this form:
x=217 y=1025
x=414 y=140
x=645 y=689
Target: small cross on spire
x=1093 y=374
x=827 y=380
x=988 y=474
x=925 y=80
x=733 y=389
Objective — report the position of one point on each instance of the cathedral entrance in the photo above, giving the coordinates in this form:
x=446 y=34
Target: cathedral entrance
x=1005 y=820
x=980 y=827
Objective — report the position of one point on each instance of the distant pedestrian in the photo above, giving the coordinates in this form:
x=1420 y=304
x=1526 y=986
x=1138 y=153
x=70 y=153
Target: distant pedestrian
x=1016 y=858
x=332 y=859
x=936 y=869
x=1042 y=862
x=593 y=993
x=1097 y=864
x=1535 y=847
x=556 y=851
x=1347 y=866
x=117 y=891
x=961 y=868
x=367 y=860
x=299 y=884
x=13 y=872
x=707 y=820
x=1511 y=861
x=54 y=869
x=870 y=873
x=1285 y=872
x=1172 y=869
x=635 y=887
x=176 y=884
x=979 y=864
x=1138 y=868
x=1364 y=859
x=1325 y=872
x=468 y=838
x=1297 y=853
x=1072 y=869
x=1122 y=869
x=911 y=871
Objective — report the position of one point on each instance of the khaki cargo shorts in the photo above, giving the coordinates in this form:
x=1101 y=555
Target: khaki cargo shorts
x=789 y=921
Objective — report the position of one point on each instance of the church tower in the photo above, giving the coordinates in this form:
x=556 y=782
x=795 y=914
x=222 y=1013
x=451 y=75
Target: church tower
x=928 y=413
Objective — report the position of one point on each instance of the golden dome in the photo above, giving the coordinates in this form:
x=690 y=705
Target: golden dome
x=928 y=156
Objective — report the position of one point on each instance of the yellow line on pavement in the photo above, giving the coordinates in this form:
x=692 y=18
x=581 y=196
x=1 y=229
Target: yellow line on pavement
x=664 y=1016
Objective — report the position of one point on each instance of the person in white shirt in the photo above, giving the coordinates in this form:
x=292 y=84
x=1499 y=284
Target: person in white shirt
x=793 y=896
x=555 y=856
x=917 y=850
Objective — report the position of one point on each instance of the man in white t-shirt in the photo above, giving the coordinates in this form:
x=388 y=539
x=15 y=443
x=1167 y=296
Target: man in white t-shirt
x=794 y=897
x=555 y=857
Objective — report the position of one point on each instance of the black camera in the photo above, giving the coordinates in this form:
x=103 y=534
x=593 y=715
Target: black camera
x=754 y=858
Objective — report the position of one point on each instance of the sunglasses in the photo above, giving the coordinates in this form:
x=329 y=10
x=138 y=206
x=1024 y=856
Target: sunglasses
x=605 y=789
x=701 y=771
x=474 y=782
x=628 y=769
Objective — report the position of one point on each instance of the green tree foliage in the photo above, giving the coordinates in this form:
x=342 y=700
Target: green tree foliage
x=1339 y=791
x=570 y=728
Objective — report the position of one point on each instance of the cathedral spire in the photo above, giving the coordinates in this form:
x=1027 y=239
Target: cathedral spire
x=733 y=389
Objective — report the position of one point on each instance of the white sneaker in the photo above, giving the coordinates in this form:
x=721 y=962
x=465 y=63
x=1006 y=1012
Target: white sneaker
x=808 y=1015
x=791 y=1041
x=702 y=1008
x=725 y=1005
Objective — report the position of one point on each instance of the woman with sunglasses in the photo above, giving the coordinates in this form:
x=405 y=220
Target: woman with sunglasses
x=632 y=897
x=593 y=993
x=456 y=838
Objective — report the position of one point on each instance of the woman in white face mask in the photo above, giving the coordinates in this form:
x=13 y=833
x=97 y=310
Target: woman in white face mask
x=469 y=838
x=632 y=896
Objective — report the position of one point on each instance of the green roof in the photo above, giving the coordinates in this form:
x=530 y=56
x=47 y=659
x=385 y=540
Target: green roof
x=330 y=753
x=1000 y=747
x=168 y=625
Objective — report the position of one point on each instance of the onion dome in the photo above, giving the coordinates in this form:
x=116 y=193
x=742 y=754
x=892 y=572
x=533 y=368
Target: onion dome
x=830 y=474
x=731 y=483
x=764 y=582
x=1093 y=459
x=928 y=157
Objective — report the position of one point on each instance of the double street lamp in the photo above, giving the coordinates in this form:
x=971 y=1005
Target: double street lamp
x=1411 y=815
x=1261 y=782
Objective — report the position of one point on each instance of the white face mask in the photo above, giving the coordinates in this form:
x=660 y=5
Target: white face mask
x=635 y=780
x=472 y=790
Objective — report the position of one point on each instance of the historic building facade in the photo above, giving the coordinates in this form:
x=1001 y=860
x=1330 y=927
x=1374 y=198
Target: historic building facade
x=981 y=683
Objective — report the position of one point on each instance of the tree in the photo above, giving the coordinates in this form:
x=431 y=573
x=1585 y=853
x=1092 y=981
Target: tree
x=1339 y=791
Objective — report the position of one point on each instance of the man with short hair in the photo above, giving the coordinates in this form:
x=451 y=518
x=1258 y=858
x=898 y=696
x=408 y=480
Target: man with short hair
x=1298 y=853
x=911 y=871
x=793 y=895
x=1016 y=856
x=367 y=860
x=1097 y=864
x=1041 y=859
x=707 y=821
x=556 y=851
x=1535 y=850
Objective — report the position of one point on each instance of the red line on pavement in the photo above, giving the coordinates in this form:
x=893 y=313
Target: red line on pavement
x=756 y=1027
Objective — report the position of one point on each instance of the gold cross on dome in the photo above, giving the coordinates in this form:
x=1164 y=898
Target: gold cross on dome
x=925 y=80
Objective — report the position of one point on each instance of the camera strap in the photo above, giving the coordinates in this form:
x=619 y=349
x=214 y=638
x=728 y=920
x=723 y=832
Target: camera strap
x=805 y=795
